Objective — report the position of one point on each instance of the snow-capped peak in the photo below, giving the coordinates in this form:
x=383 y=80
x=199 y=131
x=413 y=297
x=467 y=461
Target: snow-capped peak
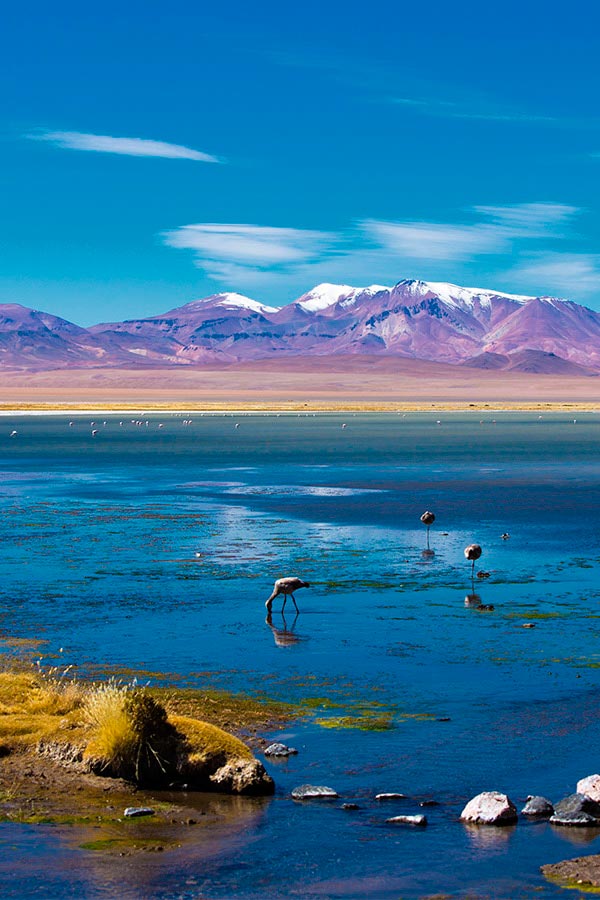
x=460 y=297
x=325 y=295
x=230 y=300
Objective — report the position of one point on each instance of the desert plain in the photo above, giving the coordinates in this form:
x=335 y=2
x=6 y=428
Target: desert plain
x=349 y=382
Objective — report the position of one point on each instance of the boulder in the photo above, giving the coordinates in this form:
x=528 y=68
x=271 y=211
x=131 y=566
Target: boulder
x=537 y=808
x=314 y=792
x=577 y=810
x=278 y=749
x=243 y=776
x=408 y=820
x=490 y=808
x=590 y=786
x=390 y=796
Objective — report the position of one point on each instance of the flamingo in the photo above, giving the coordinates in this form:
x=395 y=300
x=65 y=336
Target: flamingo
x=472 y=552
x=428 y=518
x=286 y=586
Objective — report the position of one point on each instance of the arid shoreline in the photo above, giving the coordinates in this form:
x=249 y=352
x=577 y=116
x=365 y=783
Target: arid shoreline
x=359 y=383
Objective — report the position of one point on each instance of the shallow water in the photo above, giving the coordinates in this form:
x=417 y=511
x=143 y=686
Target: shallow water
x=155 y=548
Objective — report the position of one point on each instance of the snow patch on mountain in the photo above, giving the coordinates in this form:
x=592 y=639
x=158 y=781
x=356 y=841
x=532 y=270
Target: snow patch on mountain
x=459 y=297
x=231 y=301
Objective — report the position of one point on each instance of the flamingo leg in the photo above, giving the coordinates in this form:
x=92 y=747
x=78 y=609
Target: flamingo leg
x=428 y=537
x=295 y=604
x=284 y=602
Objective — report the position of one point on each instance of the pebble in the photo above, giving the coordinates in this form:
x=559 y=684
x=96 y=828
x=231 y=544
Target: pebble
x=350 y=806
x=390 y=796
x=408 y=820
x=278 y=749
x=528 y=625
x=314 y=792
x=133 y=812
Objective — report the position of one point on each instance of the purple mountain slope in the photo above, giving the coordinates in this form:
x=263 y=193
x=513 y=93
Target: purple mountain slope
x=425 y=320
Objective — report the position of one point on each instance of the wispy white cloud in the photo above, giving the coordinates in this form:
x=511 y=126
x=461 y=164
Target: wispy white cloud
x=560 y=274
x=529 y=218
x=474 y=109
x=101 y=143
x=431 y=240
x=264 y=257
x=223 y=249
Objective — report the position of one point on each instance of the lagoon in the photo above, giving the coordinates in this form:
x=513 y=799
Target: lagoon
x=152 y=550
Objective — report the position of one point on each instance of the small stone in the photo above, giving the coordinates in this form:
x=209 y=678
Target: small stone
x=408 y=820
x=485 y=607
x=443 y=719
x=278 y=749
x=132 y=812
x=528 y=625
x=314 y=792
x=490 y=808
x=390 y=796
x=538 y=808
x=576 y=810
x=590 y=786
x=350 y=806
x=483 y=574
x=429 y=803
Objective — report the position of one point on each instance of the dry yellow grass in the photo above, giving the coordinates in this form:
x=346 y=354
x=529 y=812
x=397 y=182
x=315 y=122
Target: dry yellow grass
x=33 y=709
x=204 y=740
x=113 y=739
x=120 y=730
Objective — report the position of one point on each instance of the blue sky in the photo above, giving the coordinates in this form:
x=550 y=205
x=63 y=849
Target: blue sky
x=155 y=153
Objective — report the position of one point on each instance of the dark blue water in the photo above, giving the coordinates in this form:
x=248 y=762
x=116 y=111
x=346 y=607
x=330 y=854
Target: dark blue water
x=155 y=549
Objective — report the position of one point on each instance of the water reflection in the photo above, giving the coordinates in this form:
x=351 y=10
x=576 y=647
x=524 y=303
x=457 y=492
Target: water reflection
x=428 y=554
x=489 y=837
x=576 y=835
x=472 y=600
x=284 y=636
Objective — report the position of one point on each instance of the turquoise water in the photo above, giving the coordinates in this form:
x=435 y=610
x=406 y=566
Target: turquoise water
x=155 y=548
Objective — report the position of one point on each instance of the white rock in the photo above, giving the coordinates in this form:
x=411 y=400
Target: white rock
x=390 y=796
x=590 y=786
x=408 y=820
x=490 y=808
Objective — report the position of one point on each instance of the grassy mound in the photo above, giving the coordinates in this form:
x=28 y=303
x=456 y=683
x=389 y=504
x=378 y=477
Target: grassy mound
x=124 y=732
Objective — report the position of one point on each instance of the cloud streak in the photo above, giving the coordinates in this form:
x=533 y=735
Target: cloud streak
x=124 y=146
x=243 y=255
x=221 y=249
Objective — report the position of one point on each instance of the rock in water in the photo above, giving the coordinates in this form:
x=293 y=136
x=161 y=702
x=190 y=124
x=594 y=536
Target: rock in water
x=590 y=786
x=577 y=809
x=538 y=808
x=390 y=796
x=490 y=808
x=132 y=812
x=582 y=872
x=278 y=749
x=408 y=820
x=314 y=792
x=243 y=776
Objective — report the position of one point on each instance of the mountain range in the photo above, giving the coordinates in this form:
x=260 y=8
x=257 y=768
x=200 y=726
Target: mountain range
x=423 y=320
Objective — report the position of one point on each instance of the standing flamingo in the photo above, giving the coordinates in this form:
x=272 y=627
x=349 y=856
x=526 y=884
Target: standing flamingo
x=428 y=518
x=473 y=552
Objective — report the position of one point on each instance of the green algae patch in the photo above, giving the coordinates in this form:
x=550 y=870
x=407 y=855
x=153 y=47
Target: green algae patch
x=362 y=723
x=536 y=615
